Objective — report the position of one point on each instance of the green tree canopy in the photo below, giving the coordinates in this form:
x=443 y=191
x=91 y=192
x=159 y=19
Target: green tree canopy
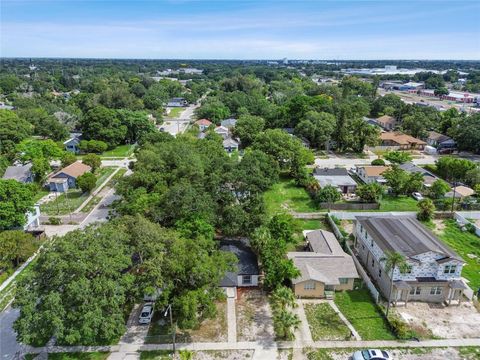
x=86 y=182
x=103 y=124
x=248 y=127
x=16 y=199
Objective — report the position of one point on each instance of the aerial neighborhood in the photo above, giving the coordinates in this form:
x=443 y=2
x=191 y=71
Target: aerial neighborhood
x=281 y=209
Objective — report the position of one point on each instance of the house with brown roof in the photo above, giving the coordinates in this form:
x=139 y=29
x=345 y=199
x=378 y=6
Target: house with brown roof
x=203 y=124
x=66 y=178
x=387 y=122
x=460 y=192
x=396 y=140
x=434 y=270
x=371 y=174
x=324 y=266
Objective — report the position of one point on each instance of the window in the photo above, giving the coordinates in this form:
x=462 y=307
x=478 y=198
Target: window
x=371 y=243
x=436 y=290
x=450 y=269
x=246 y=279
x=363 y=247
x=380 y=272
x=343 y=280
x=373 y=263
x=309 y=286
x=415 y=290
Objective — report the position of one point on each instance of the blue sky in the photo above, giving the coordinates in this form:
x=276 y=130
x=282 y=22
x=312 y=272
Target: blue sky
x=237 y=29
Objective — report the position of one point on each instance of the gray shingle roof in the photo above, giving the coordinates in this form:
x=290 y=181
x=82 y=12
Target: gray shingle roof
x=324 y=268
x=404 y=235
x=331 y=172
x=247 y=261
x=19 y=173
x=323 y=242
x=327 y=263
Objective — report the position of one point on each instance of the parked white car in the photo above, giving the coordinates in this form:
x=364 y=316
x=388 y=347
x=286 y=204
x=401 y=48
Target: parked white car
x=146 y=314
x=371 y=354
x=417 y=196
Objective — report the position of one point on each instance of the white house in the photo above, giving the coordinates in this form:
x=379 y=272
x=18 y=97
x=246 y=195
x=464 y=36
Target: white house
x=434 y=270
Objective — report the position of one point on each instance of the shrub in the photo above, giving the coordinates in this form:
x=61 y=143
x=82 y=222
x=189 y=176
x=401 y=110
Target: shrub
x=92 y=160
x=398 y=157
x=54 y=220
x=328 y=194
x=378 y=162
x=400 y=328
x=87 y=182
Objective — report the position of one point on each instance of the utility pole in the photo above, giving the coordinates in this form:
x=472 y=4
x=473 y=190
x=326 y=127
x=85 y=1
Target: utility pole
x=174 y=328
x=453 y=199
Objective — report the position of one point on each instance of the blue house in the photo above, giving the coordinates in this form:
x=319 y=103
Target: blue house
x=66 y=178
x=72 y=143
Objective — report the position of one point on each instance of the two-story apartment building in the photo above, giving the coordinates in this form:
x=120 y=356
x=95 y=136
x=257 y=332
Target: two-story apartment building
x=434 y=270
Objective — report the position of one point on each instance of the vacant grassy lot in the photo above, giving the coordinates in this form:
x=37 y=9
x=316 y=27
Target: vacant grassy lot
x=286 y=196
x=400 y=203
x=324 y=323
x=175 y=112
x=365 y=316
x=119 y=151
x=156 y=355
x=66 y=203
x=209 y=330
x=465 y=244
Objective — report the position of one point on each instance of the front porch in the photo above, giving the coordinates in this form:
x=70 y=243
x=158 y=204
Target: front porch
x=439 y=292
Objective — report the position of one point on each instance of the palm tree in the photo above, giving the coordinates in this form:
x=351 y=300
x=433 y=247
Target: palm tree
x=284 y=297
x=286 y=323
x=393 y=260
x=426 y=210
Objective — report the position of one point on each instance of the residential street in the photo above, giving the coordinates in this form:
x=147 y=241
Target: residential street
x=178 y=125
x=8 y=342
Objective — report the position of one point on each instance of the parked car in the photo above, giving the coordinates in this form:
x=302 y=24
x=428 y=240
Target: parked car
x=417 y=196
x=146 y=314
x=371 y=355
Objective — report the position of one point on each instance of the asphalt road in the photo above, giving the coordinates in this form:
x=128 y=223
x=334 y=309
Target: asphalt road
x=8 y=342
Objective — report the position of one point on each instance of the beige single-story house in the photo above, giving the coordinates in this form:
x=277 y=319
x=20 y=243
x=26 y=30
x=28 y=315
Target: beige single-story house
x=399 y=141
x=460 y=192
x=371 y=174
x=324 y=266
x=387 y=122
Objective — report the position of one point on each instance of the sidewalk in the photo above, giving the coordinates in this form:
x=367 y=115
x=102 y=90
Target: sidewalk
x=96 y=191
x=262 y=345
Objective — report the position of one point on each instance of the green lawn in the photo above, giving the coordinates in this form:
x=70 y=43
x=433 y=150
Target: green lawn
x=66 y=203
x=155 y=355
x=464 y=243
x=286 y=196
x=325 y=324
x=40 y=194
x=313 y=224
x=120 y=151
x=400 y=203
x=175 y=112
x=365 y=316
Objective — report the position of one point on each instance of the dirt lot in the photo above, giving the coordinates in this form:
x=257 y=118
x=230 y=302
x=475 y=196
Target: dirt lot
x=443 y=321
x=422 y=353
x=254 y=316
